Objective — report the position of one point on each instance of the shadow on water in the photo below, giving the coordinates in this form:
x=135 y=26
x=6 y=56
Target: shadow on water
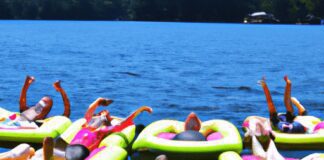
x=245 y=89
x=240 y=88
x=130 y=74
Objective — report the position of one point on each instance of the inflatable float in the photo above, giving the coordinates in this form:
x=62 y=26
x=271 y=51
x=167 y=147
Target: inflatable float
x=97 y=136
x=230 y=155
x=20 y=152
x=289 y=141
x=31 y=125
x=292 y=132
x=261 y=130
x=189 y=138
x=103 y=141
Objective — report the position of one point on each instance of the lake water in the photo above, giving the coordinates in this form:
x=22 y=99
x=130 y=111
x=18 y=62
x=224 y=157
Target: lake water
x=176 y=68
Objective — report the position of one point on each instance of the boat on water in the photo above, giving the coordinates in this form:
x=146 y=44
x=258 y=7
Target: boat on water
x=260 y=17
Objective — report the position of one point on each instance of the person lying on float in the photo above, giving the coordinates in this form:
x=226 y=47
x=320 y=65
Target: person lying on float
x=94 y=130
x=283 y=122
x=87 y=140
x=289 y=122
x=29 y=115
x=258 y=128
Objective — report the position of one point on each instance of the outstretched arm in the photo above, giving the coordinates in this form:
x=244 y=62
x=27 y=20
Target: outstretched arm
x=287 y=99
x=271 y=107
x=67 y=106
x=23 y=95
x=92 y=108
x=127 y=122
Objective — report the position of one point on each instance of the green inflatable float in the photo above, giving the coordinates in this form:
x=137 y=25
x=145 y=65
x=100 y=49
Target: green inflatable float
x=164 y=136
x=31 y=125
x=298 y=132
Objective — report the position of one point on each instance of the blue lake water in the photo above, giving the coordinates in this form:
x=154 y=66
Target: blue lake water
x=176 y=68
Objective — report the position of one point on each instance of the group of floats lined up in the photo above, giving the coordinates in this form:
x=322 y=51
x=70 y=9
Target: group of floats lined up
x=100 y=136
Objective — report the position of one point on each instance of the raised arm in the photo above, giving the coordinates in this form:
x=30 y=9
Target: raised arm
x=67 y=106
x=92 y=108
x=287 y=98
x=23 y=95
x=271 y=107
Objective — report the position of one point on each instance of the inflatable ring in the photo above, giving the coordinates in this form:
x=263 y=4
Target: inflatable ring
x=51 y=127
x=148 y=140
x=296 y=141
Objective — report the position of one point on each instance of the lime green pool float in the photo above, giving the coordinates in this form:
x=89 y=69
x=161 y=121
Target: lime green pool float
x=114 y=146
x=76 y=126
x=51 y=127
x=230 y=155
x=149 y=140
x=296 y=141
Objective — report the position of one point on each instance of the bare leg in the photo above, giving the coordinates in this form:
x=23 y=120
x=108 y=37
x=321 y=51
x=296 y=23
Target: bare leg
x=48 y=147
x=23 y=95
x=301 y=109
x=287 y=100
x=67 y=106
x=271 y=107
x=21 y=152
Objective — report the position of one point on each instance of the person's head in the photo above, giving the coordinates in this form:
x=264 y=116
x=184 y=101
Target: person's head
x=192 y=122
x=102 y=118
x=44 y=106
x=40 y=110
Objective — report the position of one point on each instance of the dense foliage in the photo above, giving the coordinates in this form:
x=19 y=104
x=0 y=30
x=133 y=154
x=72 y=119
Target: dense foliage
x=288 y=11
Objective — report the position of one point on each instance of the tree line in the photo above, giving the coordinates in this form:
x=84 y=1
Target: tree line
x=287 y=11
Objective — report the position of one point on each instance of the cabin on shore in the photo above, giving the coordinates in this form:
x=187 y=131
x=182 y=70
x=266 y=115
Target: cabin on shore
x=260 y=17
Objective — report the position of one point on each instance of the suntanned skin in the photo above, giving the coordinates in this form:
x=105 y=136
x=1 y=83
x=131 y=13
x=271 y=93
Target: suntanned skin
x=21 y=152
x=47 y=109
x=92 y=108
x=23 y=96
x=48 y=147
x=61 y=144
x=34 y=113
x=192 y=122
x=23 y=100
x=97 y=134
x=271 y=107
x=287 y=97
x=67 y=106
x=301 y=109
